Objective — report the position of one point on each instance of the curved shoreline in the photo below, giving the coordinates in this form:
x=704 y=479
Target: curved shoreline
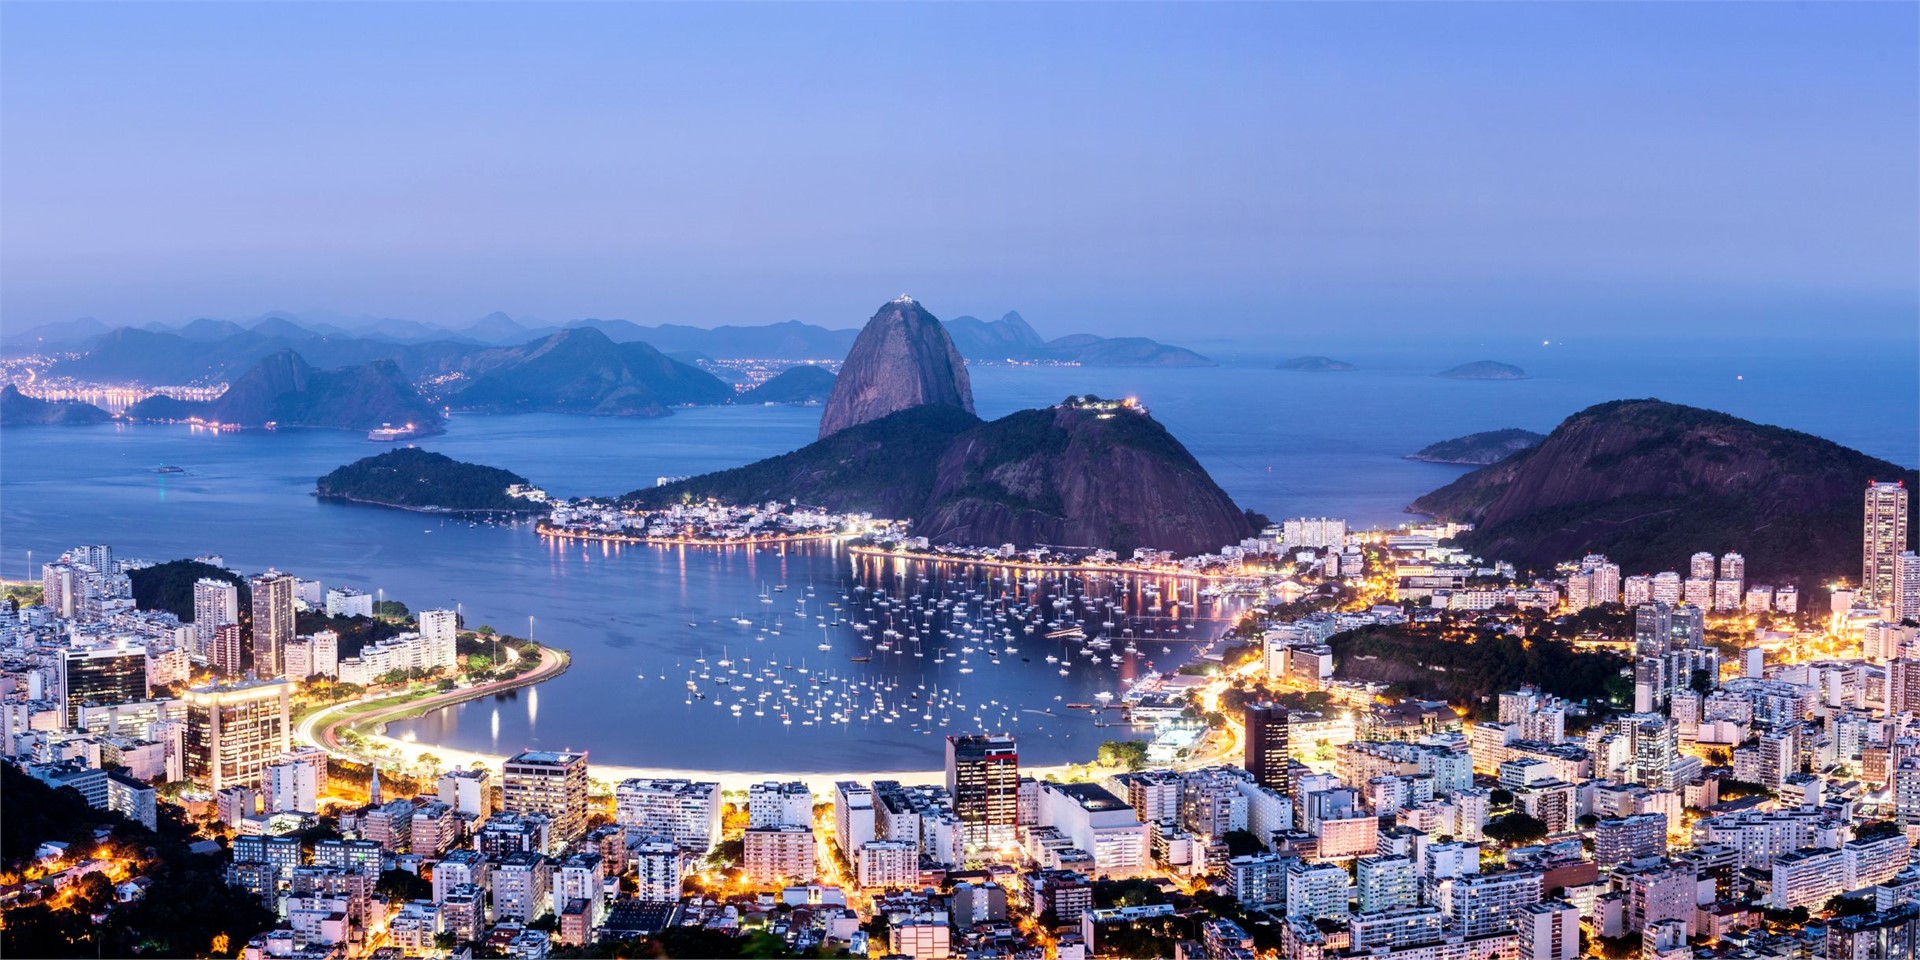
x=865 y=551
x=560 y=533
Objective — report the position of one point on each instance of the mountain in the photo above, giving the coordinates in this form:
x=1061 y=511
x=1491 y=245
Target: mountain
x=807 y=383
x=1091 y=351
x=207 y=330
x=284 y=389
x=1012 y=338
x=415 y=479
x=496 y=327
x=1086 y=473
x=902 y=358
x=1316 y=365
x=1484 y=370
x=581 y=371
x=1008 y=338
x=59 y=335
x=787 y=340
x=884 y=467
x=1082 y=474
x=18 y=409
x=1479 y=449
x=281 y=327
x=1649 y=483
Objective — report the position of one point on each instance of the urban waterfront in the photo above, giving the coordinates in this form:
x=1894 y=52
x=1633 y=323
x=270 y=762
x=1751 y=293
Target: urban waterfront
x=1318 y=444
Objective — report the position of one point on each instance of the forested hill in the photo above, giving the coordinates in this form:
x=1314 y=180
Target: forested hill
x=418 y=479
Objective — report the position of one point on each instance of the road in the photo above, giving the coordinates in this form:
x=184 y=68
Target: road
x=323 y=728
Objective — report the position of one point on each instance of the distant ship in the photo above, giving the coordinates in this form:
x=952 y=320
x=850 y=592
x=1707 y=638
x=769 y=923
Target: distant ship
x=169 y=468
x=388 y=433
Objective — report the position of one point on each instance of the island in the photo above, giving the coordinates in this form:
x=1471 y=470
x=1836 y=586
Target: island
x=19 y=410
x=413 y=479
x=1316 y=365
x=806 y=383
x=1484 y=370
x=1479 y=449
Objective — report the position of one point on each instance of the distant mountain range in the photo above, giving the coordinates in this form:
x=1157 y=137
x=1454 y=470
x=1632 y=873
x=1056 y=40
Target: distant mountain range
x=1012 y=338
x=582 y=371
x=1650 y=483
x=205 y=347
x=283 y=389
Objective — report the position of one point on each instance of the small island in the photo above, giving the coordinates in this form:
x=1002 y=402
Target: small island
x=806 y=383
x=413 y=479
x=19 y=410
x=1316 y=365
x=1479 y=449
x=1484 y=370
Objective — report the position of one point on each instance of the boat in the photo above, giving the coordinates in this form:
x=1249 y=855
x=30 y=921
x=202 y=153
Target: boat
x=169 y=468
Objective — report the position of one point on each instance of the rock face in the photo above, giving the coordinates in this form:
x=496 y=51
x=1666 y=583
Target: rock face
x=18 y=409
x=903 y=358
x=283 y=389
x=1649 y=483
x=1079 y=475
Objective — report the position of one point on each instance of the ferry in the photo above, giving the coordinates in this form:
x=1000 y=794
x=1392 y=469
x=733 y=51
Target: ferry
x=388 y=433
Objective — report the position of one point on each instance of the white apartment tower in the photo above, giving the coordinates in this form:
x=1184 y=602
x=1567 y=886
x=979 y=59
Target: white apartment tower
x=1883 y=539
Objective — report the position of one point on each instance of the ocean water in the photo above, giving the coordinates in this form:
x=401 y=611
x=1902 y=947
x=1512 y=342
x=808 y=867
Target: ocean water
x=1279 y=442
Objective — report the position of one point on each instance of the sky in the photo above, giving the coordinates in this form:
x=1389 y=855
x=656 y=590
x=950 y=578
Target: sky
x=1192 y=171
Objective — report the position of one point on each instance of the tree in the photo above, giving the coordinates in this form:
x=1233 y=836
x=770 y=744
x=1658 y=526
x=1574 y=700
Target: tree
x=1131 y=754
x=1516 y=829
x=1241 y=843
x=391 y=609
x=403 y=885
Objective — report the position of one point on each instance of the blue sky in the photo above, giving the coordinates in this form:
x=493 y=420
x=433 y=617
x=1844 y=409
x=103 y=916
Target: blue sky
x=1188 y=171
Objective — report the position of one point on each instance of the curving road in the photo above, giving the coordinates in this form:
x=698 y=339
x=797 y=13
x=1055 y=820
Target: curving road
x=322 y=732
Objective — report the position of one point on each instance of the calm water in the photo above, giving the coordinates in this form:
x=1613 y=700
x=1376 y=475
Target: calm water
x=1285 y=444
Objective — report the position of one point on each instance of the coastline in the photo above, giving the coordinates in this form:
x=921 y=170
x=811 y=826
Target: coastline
x=559 y=533
x=318 y=729
x=435 y=510
x=864 y=551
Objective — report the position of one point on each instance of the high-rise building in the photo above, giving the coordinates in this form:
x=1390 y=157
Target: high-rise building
x=103 y=675
x=226 y=652
x=234 y=732
x=1550 y=931
x=551 y=783
x=686 y=810
x=272 y=622
x=440 y=630
x=983 y=777
x=853 y=818
x=1883 y=935
x=1266 y=748
x=1884 y=538
x=1652 y=629
x=215 y=602
x=1733 y=567
x=1905 y=603
x=776 y=804
x=60 y=589
x=1700 y=567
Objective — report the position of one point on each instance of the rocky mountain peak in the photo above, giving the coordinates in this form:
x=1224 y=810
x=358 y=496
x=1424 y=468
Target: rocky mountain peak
x=902 y=358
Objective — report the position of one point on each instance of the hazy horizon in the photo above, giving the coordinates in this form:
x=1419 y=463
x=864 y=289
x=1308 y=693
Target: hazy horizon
x=1188 y=173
